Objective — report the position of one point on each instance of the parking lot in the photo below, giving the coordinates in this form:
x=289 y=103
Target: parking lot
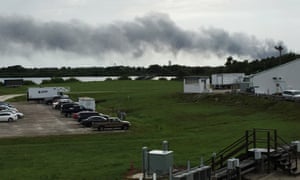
x=39 y=120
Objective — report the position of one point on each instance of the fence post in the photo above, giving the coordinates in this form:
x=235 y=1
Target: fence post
x=247 y=141
x=254 y=138
x=222 y=160
x=269 y=163
x=213 y=157
x=275 y=140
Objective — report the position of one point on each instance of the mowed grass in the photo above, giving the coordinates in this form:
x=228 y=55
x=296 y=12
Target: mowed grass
x=194 y=125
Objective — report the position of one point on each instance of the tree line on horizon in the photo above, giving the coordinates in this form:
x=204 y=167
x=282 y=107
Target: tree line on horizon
x=230 y=66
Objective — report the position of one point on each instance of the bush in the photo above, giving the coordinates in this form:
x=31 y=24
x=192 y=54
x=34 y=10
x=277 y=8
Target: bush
x=72 y=79
x=108 y=79
x=28 y=82
x=162 y=79
x=124 y=78
x=53 y=80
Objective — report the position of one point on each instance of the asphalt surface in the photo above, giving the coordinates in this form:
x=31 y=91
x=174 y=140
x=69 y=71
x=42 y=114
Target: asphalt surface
x=40 y=120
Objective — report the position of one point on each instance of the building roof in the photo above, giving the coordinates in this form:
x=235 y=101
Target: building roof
x=228 y=73
x=279 y=66
x=198 y=77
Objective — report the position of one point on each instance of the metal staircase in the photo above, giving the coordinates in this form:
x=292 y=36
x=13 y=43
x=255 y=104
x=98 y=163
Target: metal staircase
x=276 y=154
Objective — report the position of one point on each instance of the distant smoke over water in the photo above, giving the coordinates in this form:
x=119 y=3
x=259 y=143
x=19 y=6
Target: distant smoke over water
x=153 y=32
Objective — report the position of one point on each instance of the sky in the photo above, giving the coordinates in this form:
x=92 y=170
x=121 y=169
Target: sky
x=85 y=33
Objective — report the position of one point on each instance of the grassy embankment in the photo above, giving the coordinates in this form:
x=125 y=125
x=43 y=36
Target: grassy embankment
x=194 y=125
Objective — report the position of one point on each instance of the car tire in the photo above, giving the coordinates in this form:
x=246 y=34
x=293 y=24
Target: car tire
x=10 y=120
x=125 y=127
x=100 y=128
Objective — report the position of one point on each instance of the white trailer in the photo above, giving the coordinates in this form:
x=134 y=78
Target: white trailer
x=196 y=84
x=87 y=102
x=226 y=79
x=42 y=93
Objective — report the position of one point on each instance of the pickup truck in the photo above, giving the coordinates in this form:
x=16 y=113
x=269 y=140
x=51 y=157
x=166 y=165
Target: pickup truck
x=111 y=123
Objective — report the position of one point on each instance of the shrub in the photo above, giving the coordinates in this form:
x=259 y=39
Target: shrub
x=124 y=78
x=28 y=82
x=53 y=80
x=72 y=79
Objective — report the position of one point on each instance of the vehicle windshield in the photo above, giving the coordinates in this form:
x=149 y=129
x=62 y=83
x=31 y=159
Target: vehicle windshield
x=296 y=93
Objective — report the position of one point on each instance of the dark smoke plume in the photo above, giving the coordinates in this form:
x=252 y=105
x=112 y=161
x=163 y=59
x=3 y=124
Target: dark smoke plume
x=156 y=32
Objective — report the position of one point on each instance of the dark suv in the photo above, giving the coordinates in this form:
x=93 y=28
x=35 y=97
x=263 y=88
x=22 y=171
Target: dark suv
x=84 y=115
x=74 y=109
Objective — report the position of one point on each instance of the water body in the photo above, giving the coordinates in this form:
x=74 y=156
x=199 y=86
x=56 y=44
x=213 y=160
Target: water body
x=38 y=80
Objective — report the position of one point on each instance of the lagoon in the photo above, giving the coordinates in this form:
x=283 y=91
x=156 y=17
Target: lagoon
x=38 y=80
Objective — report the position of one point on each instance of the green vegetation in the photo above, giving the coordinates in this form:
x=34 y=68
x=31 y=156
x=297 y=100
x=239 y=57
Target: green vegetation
x=194 y=125
x=230 y=66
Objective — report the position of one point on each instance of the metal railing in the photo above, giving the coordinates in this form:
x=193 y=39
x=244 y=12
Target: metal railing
x=256 y=138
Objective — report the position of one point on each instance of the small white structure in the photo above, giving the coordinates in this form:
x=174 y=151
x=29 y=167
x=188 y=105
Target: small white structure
x=196 y=84
x=87 y=102
x=277 y=79
x=226 y=80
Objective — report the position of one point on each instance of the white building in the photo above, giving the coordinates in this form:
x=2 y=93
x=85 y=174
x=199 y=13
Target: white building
x=226 y=80
x=196 y=84
x=277 y=79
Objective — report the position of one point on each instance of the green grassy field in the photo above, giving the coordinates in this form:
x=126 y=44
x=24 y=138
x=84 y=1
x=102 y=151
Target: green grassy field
x=194 y=125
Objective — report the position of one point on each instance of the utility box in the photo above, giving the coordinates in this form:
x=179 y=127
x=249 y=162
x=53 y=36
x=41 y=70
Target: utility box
x=160 y=161
x=257 y=155
x=233 y=163
x=87 y=102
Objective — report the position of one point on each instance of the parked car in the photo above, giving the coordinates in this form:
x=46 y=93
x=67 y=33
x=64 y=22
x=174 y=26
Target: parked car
x=19 y=114
x=84 y=115
x=57 y=104
x=50 y=100
x=74 y=109
x=292 y=95
x=5 y=107
x=111 y=123
x=64 y=107
x=6 y=104
x=92 y=119
x=8 y=116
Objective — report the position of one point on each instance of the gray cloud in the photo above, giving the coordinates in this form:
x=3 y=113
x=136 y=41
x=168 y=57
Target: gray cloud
x=157 y=32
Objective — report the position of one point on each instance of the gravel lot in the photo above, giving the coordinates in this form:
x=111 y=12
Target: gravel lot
x=39 y=120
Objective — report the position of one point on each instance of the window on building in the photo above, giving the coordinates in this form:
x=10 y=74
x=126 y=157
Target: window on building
x=191 y=81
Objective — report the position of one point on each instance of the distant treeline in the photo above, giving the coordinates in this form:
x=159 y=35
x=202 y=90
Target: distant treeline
x=231 y=66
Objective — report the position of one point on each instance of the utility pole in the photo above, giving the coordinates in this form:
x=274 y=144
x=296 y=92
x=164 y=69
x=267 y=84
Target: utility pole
x=279 y=48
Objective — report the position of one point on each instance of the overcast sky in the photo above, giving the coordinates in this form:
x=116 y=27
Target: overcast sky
x=72 y=33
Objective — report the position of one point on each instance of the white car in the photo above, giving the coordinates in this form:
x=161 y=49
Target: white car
x=291 y=94
x=7 y=108
x=19 y=114
x=8 y=116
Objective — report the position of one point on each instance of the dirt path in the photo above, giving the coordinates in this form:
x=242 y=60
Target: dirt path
x=9 y=96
